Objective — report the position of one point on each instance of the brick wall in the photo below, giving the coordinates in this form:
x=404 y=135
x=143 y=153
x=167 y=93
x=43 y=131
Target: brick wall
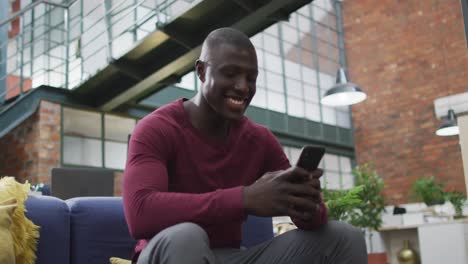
x=405 y=54
x=18 y=150
x=49 y=140
x=32 y=149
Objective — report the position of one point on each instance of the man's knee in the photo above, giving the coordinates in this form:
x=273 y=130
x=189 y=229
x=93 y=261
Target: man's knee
x=181 y=243
x=345 y=231
x=183 y=234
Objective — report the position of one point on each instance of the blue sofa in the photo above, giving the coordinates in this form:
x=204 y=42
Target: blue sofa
x=93 y=229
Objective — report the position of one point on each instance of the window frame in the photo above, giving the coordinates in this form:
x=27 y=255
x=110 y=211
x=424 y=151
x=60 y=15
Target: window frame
x=102 y=137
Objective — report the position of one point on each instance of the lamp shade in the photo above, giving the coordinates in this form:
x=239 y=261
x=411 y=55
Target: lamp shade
x=449 y=126
x=343 y=92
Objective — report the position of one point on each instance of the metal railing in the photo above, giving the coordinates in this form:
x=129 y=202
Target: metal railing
x=64 y=44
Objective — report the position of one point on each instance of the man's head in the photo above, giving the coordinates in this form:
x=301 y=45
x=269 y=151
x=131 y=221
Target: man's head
x=227 y=69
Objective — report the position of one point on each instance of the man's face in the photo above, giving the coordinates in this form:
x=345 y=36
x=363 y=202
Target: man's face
x=229 y=79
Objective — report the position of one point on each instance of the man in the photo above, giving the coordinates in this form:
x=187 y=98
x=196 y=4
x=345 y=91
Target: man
x=196 y=168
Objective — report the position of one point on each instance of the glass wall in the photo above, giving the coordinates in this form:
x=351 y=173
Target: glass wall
x=337 y=169
x=95 y=139
x=64 y=43
x=297 y=63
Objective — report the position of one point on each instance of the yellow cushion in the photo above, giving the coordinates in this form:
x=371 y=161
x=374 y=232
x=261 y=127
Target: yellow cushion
x=114 y=260
x=24 y=232
x=7 y=252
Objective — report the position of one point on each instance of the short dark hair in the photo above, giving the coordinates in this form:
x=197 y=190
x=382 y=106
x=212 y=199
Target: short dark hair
x=227 y=35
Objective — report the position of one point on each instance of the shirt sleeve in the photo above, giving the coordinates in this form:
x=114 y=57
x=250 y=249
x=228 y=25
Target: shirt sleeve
x=276 y=160
x=149 y=207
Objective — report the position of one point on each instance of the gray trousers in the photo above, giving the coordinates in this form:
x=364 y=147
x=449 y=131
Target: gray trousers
x=335 y=243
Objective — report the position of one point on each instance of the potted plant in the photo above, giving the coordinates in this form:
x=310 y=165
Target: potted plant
x=361 y=206
x=428 y=190
x=368 y=214
x=340 y=203
x=458 y=200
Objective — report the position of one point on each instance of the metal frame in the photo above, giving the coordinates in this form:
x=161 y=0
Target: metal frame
x=102 y=138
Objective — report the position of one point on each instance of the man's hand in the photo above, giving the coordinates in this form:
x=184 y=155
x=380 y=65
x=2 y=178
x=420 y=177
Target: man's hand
x=294 y=192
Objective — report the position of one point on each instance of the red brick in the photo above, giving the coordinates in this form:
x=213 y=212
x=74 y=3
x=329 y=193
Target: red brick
x=405 y=54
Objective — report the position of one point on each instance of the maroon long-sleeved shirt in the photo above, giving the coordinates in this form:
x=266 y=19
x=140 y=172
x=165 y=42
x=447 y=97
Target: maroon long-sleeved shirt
x=175 y=174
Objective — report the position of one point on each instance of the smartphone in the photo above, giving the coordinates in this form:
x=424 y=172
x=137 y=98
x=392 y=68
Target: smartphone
x=310 y=157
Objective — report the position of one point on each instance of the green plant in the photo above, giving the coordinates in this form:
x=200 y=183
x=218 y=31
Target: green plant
x=428 y=190
x=368 y=213
x=361 y=206
x=458 y=200
x=341 y=203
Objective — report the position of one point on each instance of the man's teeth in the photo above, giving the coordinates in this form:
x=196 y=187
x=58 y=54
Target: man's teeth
x=235 y=101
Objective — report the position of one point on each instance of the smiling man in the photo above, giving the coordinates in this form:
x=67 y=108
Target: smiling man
x=196 y=168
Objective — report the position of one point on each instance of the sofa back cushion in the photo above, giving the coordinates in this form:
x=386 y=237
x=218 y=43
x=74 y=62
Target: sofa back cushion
x=52 y=216
x=98 y=230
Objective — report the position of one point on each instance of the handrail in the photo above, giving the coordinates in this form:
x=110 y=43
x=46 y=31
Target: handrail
x=31 y=6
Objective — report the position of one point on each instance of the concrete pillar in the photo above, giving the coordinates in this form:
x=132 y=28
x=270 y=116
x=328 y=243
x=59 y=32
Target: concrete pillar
x=463 y=126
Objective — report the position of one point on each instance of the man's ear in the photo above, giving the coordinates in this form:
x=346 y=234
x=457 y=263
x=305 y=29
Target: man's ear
x=201 y=70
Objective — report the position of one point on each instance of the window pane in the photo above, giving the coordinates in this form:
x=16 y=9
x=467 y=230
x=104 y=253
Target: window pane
x=304 y=10
x=343 y=119
x=116 y=155
x=257 y=40
x=309 y=75
x=274 y=82
x=312 y=112
x=295 y=153
x=331 y=162
x=276 y=102
x=345 y=164
x=273 y=63
x=187 y=81
x=329 y=116
x=290 y=34
x=311 y=93
x=304 y=24
x=260 y=54
x=259 y=98
x=261 y=78
x=286 y=152
x=273 y=30
x=294 y=88
x=326 y=81
x=328 y=66
x=271 y=44
x=118 y=128
x=347 y=180
x=293 y=69
x=295 y=107
x=81 y=123
x=320 y=15
x=82 y=151
x=332 y=180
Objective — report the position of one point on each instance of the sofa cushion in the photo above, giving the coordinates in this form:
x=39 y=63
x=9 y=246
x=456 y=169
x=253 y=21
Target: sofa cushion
x=53 y=216
x=98 y=230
